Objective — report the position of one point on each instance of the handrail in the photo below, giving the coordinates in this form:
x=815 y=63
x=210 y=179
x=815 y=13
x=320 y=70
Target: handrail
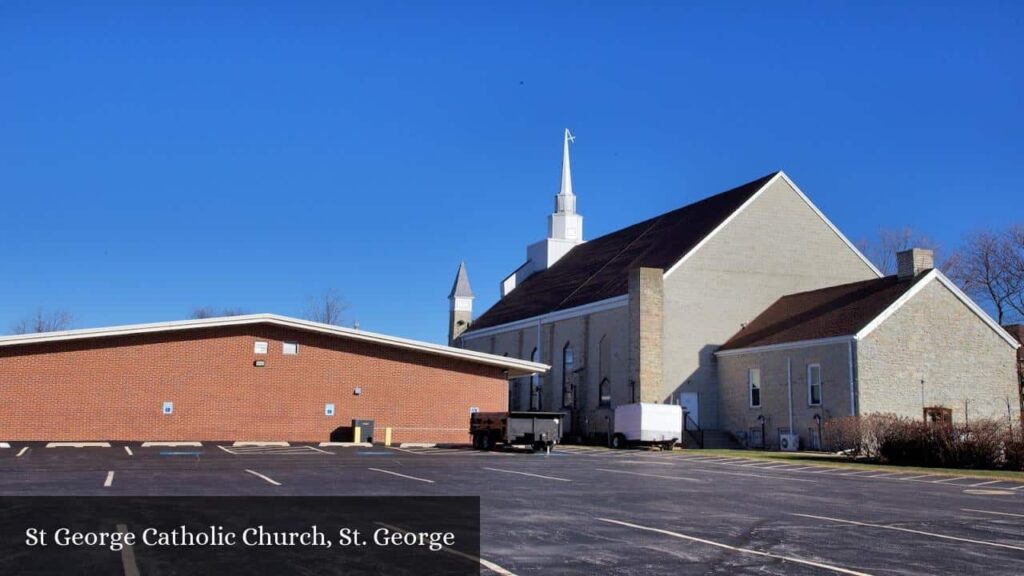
x=697 y=433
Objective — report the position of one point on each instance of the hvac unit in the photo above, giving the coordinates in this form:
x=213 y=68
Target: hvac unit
x=789 y=442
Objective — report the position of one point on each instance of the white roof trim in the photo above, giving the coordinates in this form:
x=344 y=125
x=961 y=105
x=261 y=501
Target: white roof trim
x=935 y=274
x=590 y=308
x=778 y=175
x=785 y=346
x=515 y=366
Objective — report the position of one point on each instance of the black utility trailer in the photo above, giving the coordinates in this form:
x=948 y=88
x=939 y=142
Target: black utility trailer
x=536 y=430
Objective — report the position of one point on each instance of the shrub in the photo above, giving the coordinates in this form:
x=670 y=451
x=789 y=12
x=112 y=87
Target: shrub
x=981 y=444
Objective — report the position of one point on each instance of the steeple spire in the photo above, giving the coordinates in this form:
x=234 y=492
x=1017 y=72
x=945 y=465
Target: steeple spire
x=461 y=289
x=566 y=170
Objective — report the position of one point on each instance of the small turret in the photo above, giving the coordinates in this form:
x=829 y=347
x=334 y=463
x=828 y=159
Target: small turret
x=460 y=310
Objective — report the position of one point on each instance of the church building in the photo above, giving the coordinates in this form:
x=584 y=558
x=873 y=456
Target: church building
x=639 y=315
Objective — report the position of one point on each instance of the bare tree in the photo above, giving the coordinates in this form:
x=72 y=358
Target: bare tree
x=327 y=308
x=989 y=268
x=43 y=321
x=883 y=251
x=211 y=312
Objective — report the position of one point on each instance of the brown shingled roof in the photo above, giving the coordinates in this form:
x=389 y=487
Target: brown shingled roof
x=599 y=269
x=826 y=313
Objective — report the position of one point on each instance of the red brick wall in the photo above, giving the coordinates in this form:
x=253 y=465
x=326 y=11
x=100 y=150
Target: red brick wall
x=114 y=388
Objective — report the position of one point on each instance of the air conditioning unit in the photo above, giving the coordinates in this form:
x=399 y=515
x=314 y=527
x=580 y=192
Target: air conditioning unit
x=789 y=442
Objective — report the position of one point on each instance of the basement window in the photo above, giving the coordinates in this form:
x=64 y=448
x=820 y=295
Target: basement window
x=754 y=386
x=289 y=348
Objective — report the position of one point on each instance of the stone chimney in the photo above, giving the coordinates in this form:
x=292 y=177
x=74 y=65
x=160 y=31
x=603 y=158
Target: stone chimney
x=910 y=263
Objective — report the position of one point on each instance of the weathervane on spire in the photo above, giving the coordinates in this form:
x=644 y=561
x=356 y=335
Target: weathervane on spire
x=569 y=136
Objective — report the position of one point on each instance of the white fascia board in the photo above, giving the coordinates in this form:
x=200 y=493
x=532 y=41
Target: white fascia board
x=724 y=223
x=892 y=308
x=779 y=175
x=937 y=275
x=821 y=215
x=785 y=346
x=515 y=366
x=531 y=322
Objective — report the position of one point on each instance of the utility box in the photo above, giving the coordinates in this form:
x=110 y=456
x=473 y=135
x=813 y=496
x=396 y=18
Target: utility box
x=365 y=429
x=647 y=424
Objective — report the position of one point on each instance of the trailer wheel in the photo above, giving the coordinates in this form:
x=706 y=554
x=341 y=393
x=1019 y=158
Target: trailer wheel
x=476 y=441
x=618 y=441
x=485 y=442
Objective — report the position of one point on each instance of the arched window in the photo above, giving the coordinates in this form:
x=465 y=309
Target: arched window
x=605 y=393
x=568 y=362
x=535 y=382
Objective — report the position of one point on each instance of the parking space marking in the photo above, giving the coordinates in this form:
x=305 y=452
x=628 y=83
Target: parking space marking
x=528 y=474
x=992 y=512
x=649 y=475
x=131 y=568
x=110 y=479
x=949 y=479
x=917 y=477
x=646 y=462
x=795 y=560
x=485 y=563
x=22 y=452
x=267 y=478
x=129 y=451
x=402 y=475
x=78 y=445
x=277 y=450
x=748 y=475
x=1018 y=487
x=912 y=531
x=984 y=483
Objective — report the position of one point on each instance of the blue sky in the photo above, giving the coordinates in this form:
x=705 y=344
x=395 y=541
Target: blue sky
x=158 y=158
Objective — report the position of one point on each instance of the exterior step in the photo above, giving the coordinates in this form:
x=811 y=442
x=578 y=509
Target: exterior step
x=719 y=440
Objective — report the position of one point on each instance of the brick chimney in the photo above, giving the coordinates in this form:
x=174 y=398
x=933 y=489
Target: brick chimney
x=910 y=263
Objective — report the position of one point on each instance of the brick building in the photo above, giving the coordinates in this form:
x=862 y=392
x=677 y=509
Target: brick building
x=255 y=377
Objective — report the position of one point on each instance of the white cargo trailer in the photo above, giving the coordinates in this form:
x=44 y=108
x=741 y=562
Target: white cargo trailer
x=650 y=424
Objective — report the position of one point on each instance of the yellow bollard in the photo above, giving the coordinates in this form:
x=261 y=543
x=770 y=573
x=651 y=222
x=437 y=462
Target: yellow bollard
x=356 y=434
x=387 y=436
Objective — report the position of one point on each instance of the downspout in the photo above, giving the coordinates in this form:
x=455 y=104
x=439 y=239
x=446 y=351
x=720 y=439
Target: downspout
x=853 y=394
x=789 y=388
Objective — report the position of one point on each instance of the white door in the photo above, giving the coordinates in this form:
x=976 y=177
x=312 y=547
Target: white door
x=691 y=404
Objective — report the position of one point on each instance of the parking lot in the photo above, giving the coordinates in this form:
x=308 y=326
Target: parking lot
x=589 y=510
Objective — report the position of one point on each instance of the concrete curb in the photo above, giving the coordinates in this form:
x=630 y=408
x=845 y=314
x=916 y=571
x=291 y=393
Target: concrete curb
x=245 y=444
x=171 y=444
x=78 y=445
x=418 y=445
x=346 y=444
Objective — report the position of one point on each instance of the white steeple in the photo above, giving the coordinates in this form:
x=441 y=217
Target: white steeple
x=565 y=229
x=565 y=223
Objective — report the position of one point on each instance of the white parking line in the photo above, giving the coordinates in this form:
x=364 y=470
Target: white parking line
x=735 y=549
x=78 y=445
x=1018 y=487
x=647 y=462
x=486 y=564
x=649 y=475
x=985 y=483
x=129 y=451
x=110 y=479
x=402 y=475
x=916 y=477
x=991 y=512
x=268 y=479
x=22 y=451
x=912 y=531
x=949 y=480
x=528 y=474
